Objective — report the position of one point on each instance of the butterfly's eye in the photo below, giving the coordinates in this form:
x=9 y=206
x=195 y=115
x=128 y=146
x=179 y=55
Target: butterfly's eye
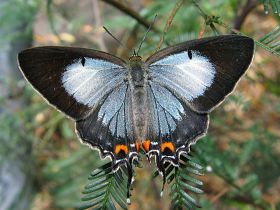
x=190 y=54
x=83 y=61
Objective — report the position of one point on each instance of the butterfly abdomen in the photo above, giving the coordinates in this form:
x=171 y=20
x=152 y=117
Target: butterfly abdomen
x=138 y=86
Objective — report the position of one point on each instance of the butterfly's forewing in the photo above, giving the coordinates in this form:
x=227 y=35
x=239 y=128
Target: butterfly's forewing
x=88 y=86
x=73 y=80
x=202 y=72
x=187 y=81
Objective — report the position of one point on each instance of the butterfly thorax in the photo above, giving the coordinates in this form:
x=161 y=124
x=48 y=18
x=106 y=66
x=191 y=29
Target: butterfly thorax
x=137 y=77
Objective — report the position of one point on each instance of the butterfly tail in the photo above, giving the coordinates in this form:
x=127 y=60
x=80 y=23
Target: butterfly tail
x=161 y=169
x=129 y=180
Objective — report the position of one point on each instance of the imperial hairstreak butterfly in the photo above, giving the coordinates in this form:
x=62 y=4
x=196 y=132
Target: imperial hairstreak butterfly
x=160 y=105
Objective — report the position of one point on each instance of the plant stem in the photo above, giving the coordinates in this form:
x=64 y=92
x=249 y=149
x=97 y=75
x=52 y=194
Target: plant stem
x=132 y=13
x=169 y=21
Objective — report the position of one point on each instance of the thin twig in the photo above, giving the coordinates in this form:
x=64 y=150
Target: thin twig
x=169 y=21
x=132 y=13
x=207 y=18
x=202 y=13
x=267 y=48
x=219 y=195
x=97 y=17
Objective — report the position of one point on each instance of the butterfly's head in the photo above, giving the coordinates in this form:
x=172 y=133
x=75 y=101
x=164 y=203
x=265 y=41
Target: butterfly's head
x=135 y=58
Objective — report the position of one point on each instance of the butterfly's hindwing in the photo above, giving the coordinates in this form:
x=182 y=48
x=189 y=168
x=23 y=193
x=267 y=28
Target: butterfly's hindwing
x=109 y=128
x=173 y=125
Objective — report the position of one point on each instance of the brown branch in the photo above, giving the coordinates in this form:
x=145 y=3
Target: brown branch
x=241 y=16
x=132 y=13
x=169 y=21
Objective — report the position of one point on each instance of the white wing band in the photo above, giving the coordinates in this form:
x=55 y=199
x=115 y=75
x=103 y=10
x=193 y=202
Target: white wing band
x=189 y=77
x=89 y=82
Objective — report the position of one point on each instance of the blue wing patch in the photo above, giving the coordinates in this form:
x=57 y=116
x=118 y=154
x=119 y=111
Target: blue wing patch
x=172 y=121
x=109 y=125
x=167 y=109
x=89 y=79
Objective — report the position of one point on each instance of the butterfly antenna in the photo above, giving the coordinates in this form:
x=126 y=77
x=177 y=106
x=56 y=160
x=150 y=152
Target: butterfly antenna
x=134 y=52
x=146 y=34
x=118 y=41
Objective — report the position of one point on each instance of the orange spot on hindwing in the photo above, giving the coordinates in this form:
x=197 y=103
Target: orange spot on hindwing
x=146 y=145
x=121 y=147
x=138 y=146
x=167 y=145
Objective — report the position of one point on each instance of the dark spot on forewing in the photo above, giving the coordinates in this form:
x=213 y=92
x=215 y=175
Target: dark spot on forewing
x=83 y=61
x=190 y=54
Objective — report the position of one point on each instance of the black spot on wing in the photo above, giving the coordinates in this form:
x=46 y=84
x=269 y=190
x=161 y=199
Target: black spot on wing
x=83 y=61
x=190 y=54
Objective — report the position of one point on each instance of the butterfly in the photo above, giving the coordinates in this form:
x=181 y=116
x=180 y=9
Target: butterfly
x=160 y=105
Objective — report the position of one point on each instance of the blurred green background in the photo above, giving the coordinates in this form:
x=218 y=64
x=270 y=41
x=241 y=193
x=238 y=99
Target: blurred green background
x=44 y=166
